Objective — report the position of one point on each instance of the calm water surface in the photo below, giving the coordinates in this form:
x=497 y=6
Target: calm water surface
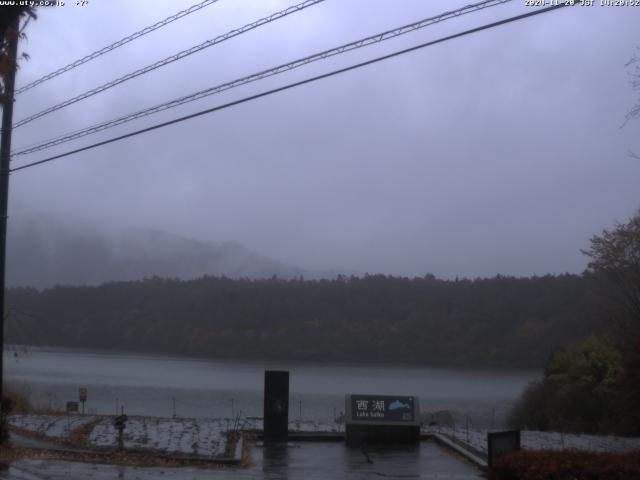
x=153 y=385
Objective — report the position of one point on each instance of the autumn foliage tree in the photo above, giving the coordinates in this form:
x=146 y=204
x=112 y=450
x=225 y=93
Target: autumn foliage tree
x=634 y=73
x=615 y=254
x=594 y=386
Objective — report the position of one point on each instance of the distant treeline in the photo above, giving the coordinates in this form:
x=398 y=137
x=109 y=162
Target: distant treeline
x=502 y=321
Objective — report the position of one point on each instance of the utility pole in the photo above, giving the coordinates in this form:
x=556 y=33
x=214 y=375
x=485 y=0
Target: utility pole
x=5 y=158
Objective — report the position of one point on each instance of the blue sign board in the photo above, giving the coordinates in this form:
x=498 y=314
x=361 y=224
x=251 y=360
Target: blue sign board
x=382 y=408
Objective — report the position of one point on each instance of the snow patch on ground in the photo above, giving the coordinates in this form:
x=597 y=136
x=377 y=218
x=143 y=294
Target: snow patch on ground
x=198 y=437
x=205 y=437
x=56 y=426
x=313 y=426
x=253 y=423
x=532 y=440
x=202 y=437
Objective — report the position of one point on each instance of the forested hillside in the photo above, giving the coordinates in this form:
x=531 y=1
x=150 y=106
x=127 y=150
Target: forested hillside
x=510 y=322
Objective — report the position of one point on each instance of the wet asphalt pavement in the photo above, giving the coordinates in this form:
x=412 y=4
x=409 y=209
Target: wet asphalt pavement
x=306 y=460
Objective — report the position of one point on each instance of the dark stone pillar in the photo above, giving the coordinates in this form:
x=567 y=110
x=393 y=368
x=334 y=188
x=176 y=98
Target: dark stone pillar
x=276 y=405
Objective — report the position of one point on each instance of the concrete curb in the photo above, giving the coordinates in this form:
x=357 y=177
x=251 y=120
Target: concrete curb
x=442 y=440
x=317 y=436
x=237 y=454
x=306 y=436
x=35 y=443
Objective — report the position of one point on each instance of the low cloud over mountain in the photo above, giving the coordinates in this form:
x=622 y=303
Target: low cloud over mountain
x=44 y=251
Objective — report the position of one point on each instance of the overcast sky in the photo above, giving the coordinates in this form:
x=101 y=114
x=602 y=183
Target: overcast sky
x=499 y=152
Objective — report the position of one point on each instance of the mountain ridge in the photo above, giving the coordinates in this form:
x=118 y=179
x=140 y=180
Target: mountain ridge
x=44 y=251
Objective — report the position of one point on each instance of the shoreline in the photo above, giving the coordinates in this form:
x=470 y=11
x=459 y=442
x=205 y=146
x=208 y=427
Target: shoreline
x=270 y=362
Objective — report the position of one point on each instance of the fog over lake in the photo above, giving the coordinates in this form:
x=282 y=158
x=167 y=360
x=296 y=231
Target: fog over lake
x=206 y=388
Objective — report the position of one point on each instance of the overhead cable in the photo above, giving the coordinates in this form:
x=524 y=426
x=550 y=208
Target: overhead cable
x=171 y=59
x=113 y=46
x=293 y=85
x=363 y=42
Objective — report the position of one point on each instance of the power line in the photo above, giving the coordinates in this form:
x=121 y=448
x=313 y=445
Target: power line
x=119 y=43
x=171 y=59
x=293 y=85
x=377 y=38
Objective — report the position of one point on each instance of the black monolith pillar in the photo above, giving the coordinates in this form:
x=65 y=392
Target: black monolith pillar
x=276 y=405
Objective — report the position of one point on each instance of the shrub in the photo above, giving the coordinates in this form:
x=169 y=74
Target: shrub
x=566 y=465
x=11 y=402
x=580 y=392
x=18 y=400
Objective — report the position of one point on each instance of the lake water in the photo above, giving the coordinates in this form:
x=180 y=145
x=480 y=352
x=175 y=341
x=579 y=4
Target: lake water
x=162 y=385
